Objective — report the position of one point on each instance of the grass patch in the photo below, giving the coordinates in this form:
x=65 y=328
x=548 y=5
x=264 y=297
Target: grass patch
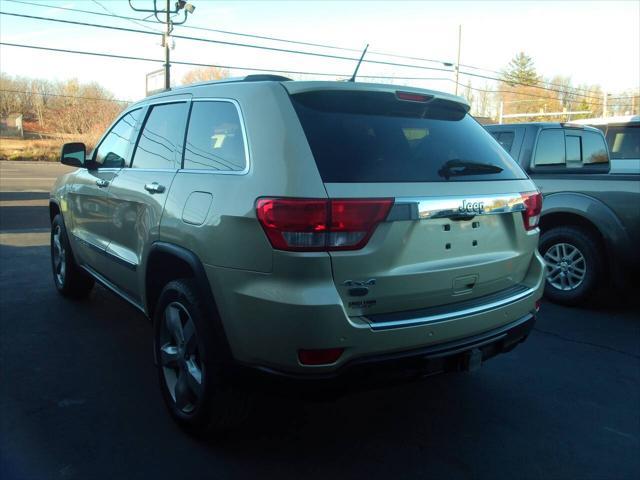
x=42 y=150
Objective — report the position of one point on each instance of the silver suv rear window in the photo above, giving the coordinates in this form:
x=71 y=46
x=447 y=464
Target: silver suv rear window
x=360 y=137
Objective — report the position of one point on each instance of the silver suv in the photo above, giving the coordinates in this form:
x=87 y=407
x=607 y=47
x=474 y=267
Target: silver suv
x=315 y=232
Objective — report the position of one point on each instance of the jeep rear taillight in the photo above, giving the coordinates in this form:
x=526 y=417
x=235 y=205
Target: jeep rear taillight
x=533 y=207
x=308 y=225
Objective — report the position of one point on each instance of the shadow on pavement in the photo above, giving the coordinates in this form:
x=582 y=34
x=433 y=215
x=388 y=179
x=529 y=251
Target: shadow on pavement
x=24 y=211
x=24 y=196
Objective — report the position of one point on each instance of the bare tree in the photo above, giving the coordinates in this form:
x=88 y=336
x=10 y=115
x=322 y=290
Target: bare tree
x=204 y=74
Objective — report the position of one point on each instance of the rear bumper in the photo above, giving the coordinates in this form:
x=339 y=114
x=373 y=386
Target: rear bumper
x=373 y=371
x=268 y=317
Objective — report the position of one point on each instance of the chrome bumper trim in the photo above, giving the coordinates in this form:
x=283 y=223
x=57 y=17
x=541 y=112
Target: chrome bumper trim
x=413 y=322
x=424 y=208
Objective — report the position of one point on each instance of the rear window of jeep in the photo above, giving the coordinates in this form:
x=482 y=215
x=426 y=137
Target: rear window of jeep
x=364 y=137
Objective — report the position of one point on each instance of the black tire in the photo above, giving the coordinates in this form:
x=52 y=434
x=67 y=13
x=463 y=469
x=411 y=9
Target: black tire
x=592 y=263
x=70 y=280
x=214 y=405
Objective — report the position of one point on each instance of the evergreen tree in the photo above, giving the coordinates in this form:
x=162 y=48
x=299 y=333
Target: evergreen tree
x=521 y=70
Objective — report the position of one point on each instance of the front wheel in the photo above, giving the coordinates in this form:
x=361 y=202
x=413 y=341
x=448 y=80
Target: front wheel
x=574 y=264
x=190 y=369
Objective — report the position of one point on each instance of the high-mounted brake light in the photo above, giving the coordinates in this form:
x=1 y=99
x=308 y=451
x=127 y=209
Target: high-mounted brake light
x=300 y=224
x=413 y=97
x=533 y=207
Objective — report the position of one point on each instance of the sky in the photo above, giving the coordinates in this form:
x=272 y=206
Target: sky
x=596 y=42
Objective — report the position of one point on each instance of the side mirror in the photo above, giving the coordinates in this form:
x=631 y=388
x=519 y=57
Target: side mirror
x=73 y=154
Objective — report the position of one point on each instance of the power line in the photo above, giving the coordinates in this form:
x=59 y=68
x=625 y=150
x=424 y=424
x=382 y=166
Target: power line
x=538 y=87
x=382 y=77
x=227 y=32
x=546 y=98
x=84 y=24
x=111 y=14
x=282 y=50
x=79 y=10
x=230 y=67
x=233 y=44
x=264 y=37
x=195 y=64
x=45 y=94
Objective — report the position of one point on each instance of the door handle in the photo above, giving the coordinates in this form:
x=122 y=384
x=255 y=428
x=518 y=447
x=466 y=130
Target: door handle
x=102 y=183
x=154 y=187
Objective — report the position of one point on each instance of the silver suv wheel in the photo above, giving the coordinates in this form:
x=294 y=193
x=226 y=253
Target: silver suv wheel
x=59 y=256
x=566 y=266
x=180 y=358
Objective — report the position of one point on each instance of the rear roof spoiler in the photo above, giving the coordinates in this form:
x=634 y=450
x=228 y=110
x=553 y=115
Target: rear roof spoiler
x=310 y=86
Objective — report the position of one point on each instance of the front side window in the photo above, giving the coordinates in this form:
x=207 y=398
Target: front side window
x=160 y=144
x=594 y=149
x=624 y=142
x=550 y=148
x=113 y=150
x=215 y=140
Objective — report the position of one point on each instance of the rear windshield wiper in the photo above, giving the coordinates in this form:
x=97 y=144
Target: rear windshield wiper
x=457 y=167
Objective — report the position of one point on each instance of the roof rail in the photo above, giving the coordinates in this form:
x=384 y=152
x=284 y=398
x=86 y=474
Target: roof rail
x=258 y=77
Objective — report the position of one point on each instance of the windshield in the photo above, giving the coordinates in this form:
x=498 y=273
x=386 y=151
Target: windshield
x=374 y=137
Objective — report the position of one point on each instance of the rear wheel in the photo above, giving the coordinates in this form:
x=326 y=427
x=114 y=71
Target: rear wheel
x=190 y=370
x=574 y=264
x=69 y=279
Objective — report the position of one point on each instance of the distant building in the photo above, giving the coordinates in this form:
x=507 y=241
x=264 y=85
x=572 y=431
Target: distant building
x=11 y=125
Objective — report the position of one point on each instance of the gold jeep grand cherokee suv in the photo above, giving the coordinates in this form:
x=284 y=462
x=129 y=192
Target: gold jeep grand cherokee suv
x=318 y=233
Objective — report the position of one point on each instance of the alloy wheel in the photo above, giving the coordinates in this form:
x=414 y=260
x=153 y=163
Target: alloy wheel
x=59 y=256
x=566 y=266
x=180 y=358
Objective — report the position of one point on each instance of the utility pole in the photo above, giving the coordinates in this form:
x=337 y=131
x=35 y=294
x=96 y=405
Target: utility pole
x=167 y=49
x=604 y=105
x=166 y=37
x=458 y=62
x=500 y=112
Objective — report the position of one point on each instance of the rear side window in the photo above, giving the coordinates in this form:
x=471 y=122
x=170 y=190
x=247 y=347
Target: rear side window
x=112 y=152
x=574 y=148
x=594 y=150
x=550 y=148
x=364 y=137
x=624 y=141
x=160 y=143
x=215 y=138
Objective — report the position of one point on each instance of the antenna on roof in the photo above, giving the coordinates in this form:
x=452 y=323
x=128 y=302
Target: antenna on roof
x=353 y=77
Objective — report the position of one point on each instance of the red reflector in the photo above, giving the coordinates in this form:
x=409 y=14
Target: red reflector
x=533 y=207
x=538 y=303
x=319 y=357
x=299 y=224
x=413 y=97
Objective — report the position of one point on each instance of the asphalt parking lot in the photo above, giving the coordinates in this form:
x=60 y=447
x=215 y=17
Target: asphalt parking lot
x=79 y=399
